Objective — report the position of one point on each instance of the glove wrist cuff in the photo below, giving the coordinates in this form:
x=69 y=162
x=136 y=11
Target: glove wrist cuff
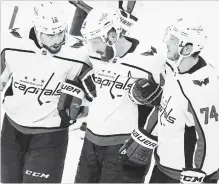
x=143 y=139
x=72 y=90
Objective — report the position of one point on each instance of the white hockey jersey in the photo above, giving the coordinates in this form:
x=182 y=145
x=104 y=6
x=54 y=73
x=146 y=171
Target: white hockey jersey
x=189 y=99
x=32 y=96
x=112 y=116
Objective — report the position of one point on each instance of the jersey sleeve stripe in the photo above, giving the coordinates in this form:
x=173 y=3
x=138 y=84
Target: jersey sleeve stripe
x=169 y=66
x=73 y=60
x=138 y=68
x=3 y=60
x=92 y=57
x=200 y=152
x=201 y=142
x=9 y=91
x=152 y=120
x=19 y=50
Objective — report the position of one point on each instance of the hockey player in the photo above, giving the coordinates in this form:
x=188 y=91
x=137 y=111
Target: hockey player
x=190 y=99
x=34 y=138
x=112 y=115
x=83 y=8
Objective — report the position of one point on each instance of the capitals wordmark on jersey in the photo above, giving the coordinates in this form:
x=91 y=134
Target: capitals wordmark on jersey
x=113 y=81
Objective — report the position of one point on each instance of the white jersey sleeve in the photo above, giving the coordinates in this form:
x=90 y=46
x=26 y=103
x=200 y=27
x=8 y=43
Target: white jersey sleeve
x=82 y=60
x=203 y=113
x=5 y=68
x=152 y=64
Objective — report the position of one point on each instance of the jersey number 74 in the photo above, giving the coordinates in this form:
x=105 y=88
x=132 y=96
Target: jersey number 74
x=209 y=113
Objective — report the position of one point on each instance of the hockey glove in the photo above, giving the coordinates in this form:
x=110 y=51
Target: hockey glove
x=192 y=176
x=88 y=84
x=138 y=149
x=145 y=92
x=69 y=105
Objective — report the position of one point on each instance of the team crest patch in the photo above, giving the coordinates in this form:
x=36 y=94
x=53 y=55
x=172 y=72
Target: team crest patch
x=199 y=82
x=150 y=52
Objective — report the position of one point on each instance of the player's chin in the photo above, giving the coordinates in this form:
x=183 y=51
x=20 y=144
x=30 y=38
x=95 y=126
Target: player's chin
x=55 y=50
x=169 y=55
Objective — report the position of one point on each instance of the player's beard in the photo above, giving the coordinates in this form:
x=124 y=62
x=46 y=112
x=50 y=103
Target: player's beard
x=176 y=57
x=55 y=48
x=173 y=56
x=107 y=54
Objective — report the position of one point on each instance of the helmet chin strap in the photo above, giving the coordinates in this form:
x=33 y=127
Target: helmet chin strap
x=114 y=53
x=181 y=57
x=114 y=49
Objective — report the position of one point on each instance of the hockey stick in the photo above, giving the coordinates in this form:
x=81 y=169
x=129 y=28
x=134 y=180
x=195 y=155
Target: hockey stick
x=81 y=5
x=11 y=25
x=14 y=31
x=82 y=127
x=71 y=130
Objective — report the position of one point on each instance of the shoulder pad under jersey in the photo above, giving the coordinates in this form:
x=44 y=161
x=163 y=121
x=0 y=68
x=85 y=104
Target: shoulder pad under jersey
x=153 y=63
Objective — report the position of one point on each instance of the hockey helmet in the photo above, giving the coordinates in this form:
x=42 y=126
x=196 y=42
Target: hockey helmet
x=99 y=22
x=49 y=19
x=187 y=32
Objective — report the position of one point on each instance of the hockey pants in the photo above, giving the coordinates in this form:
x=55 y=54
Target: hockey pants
x=37 y=158
x=100 y=164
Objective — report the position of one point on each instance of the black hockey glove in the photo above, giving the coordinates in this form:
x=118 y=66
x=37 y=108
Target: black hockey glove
x=87 y=79
x=138 y=149
x=145 y=92
x=69 y=105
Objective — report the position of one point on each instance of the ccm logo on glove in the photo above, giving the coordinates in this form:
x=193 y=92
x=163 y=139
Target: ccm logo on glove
x=192 y=176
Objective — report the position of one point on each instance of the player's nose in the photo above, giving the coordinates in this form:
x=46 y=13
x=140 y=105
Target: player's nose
x=57 y=40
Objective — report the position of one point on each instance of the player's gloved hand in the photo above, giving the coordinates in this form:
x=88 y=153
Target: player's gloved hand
x=138 y=149
x=69 y=105
x=145 y=92
x=192 y=176
x=88 y=84
x=83 y=112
